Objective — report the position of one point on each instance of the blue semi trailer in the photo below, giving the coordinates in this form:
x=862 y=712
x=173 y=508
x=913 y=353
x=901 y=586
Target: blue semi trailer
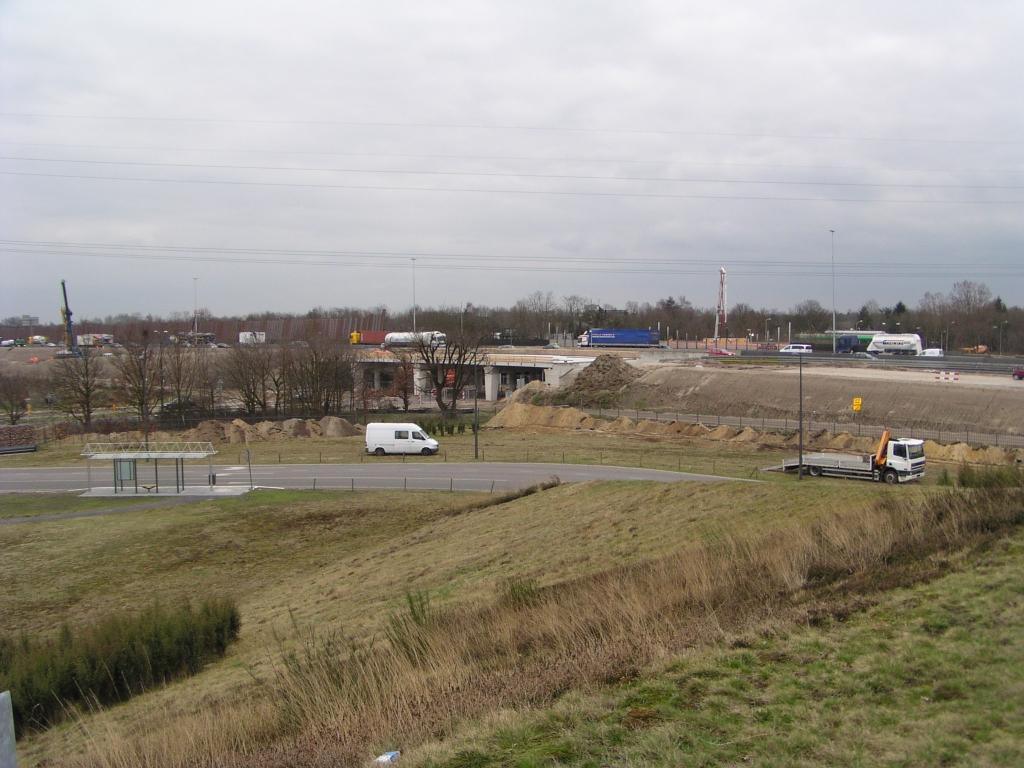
x=619 y=337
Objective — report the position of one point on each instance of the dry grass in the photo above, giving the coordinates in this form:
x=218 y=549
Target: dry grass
x=337 y=701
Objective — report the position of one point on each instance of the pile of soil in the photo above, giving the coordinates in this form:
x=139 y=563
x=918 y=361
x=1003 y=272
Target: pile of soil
x=602 y=383
x=523 y=415
x=530 y=391
x=238 y=431
x=539 y=418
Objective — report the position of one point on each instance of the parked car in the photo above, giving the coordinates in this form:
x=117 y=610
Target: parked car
x=551 y=346
x=863 y=356
x=721 y=353
x=174 y=406
x=1018 y=373
x=395 y=437
x=796 y=349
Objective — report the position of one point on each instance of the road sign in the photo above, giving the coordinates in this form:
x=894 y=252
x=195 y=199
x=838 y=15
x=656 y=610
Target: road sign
x=856 y=403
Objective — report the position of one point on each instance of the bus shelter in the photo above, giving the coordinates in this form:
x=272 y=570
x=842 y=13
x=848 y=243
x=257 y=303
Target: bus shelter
x=125 y=458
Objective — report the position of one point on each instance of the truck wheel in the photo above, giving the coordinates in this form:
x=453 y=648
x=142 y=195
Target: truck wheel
x=426 y=451
x=1017 y=376
x=890 y=477
x=814 y=471
x=379 y=452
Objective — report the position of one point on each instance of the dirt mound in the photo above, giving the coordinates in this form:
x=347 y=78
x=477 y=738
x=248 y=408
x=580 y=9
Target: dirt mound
x=746 y=435
x=621 y=424
x=724 y=432
x=601 y=383
x=648 y=427
x=523 y=415
x=333 y=426
x=206 y=432
x=530 y=391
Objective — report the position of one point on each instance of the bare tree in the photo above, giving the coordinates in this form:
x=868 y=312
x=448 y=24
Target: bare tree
x=14 y=394
x=247 y=371
x=138 y=369
x=450 y=367
x=322 y=374
x=179 y=371
x=208 y=381
x=79 y=385
x=403 y=384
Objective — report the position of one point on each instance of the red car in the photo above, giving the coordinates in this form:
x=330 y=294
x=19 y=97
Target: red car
x=721 y=352
x=1018 y=373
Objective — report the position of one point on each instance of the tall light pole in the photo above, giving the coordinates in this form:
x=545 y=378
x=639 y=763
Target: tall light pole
x=414 y=295
x=833 y=290
x=767 y=338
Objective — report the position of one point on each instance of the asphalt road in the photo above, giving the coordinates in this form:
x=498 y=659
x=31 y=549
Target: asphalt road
x=370 y=475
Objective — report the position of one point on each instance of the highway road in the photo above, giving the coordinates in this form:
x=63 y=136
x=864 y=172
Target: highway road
x=490 y=476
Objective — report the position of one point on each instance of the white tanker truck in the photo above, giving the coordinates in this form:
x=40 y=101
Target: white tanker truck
x=410 y=339
x=895 y=344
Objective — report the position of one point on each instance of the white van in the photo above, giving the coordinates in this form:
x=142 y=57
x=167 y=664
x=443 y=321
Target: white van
x=394 y=437
x=933 y=352
x=796 y=349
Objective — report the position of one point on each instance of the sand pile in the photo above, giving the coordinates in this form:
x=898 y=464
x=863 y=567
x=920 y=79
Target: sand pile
x=523 y=415
x=530 y=391
x=620 y=425
x=333 y=426
x=238 y=431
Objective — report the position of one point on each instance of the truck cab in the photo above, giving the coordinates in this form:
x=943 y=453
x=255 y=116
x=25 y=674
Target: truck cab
x=903 y=461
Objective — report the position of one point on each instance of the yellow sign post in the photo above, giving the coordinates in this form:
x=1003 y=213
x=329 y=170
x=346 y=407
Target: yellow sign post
x=856 y=403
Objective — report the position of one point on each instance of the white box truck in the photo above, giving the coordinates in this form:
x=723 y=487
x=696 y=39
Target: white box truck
x=252 y=337
x=396 y=437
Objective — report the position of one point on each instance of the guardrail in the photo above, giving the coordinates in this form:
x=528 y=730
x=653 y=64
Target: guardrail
x=963 y=434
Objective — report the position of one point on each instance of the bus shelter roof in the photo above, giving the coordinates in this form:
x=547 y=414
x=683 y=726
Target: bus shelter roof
x=163 y=450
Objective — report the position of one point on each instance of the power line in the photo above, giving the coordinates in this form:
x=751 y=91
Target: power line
x=458 y=262
x=561 y=193
x=510 y=158
x=530 y=128
x=492 y=174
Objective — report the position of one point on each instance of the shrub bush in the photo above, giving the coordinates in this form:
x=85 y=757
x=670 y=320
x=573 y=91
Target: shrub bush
x=989 y=477
x=117 y=657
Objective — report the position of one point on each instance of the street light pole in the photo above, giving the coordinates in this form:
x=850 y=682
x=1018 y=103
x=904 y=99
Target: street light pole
x=833 y=290
x=195 y=306
x=800 y=468
x=414 y=295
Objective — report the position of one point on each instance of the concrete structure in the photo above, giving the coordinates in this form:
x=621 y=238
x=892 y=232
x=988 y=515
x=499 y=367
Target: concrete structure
x=8 y=758
x=501 y=374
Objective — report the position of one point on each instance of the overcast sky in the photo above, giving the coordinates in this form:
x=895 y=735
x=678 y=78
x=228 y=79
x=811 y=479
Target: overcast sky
x=302 y=154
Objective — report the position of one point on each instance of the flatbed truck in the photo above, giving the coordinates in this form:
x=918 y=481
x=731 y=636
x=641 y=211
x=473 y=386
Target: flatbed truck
x=895 y=461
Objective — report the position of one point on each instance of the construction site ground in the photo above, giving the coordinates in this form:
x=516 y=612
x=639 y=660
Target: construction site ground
x=889 y=396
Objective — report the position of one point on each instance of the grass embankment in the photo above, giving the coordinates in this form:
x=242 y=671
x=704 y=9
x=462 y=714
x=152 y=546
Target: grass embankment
x=13 y=505
x=929 y=676
x=343 y=561
x=571 y=588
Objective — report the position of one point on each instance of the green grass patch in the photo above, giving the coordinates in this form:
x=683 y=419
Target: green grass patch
x=14 y=505
x=926 y=676
x=111 y=660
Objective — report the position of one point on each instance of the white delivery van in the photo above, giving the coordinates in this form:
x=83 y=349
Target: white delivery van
x=796 y=349
x=395 y=437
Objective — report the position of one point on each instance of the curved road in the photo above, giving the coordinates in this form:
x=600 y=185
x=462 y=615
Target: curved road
x=391 y=475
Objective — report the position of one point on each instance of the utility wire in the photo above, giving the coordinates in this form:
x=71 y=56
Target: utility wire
x=528 y=128
x=560 y=193
x=488 y=174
